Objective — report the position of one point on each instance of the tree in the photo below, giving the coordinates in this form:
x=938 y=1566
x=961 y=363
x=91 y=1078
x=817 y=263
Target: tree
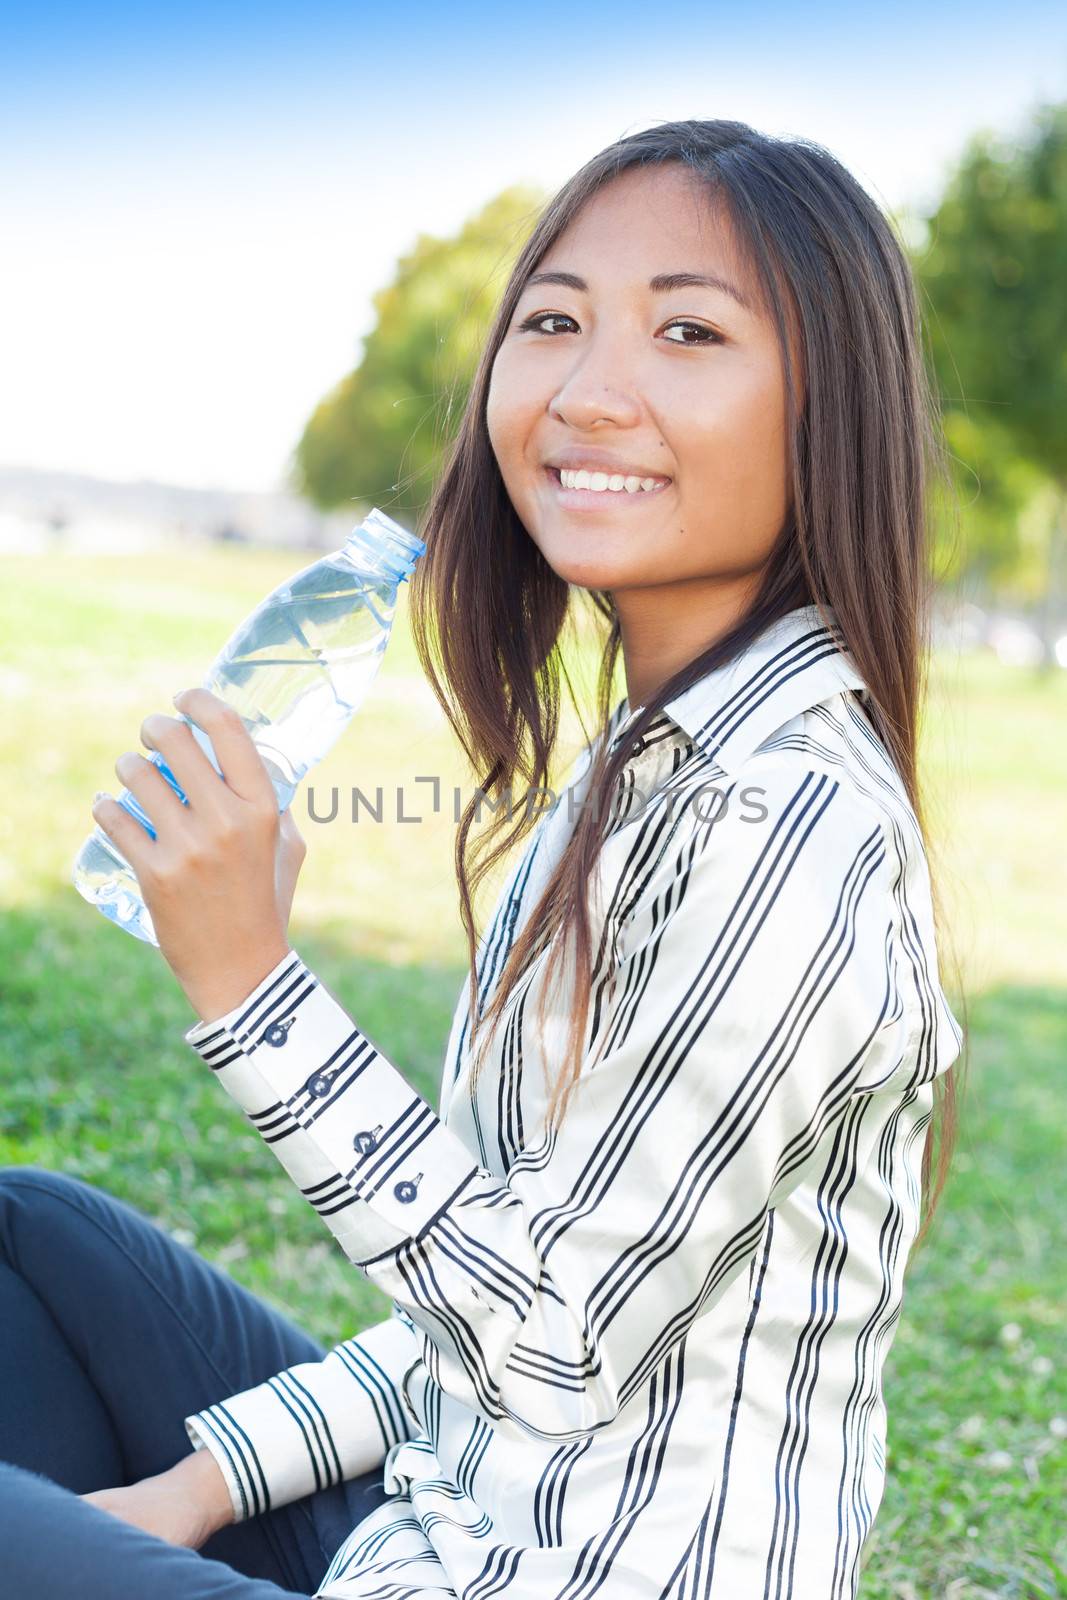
x=378 y=437
x=993 y=275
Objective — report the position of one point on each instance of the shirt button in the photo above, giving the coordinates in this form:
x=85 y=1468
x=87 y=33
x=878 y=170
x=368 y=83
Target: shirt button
x=366 y=1141
x=277 y=1034
x=407 y=1189
x=319 y=1085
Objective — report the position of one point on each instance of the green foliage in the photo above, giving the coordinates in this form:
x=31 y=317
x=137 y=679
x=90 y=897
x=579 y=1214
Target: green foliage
x=1008 y=512
x=995 y=272
x=991 y=277
x=380 y=435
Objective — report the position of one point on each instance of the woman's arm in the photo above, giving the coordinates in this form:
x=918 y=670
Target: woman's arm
x=757 y=992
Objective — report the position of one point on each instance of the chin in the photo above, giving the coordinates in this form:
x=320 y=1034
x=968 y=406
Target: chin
x=591 y=569
x=594 y=574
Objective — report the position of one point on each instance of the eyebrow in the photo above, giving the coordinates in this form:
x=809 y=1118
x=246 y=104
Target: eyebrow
x=663 y=283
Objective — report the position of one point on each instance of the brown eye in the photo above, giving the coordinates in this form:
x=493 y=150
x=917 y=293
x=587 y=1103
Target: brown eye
x=531 y=323
x=710 y=336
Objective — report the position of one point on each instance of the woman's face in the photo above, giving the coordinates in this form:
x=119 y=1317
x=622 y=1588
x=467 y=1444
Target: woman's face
x=681 y=383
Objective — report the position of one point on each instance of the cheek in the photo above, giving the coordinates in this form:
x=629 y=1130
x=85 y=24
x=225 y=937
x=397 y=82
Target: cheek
x=507 y=405
x=729 y=442
x=760 y=459
x=494 y=412
x=735 y=435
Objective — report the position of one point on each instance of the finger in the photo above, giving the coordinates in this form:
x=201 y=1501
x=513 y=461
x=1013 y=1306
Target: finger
x=147 y=784
x=241 y=763
x=188 y=762
x=127 y=835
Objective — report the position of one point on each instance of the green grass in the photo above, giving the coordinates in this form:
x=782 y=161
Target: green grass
x=97 y=1081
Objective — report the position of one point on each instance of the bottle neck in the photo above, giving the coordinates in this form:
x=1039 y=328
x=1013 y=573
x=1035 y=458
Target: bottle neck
x=380 y=545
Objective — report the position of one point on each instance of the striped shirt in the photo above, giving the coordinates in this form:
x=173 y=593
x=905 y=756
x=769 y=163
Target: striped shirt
x=640 y=1353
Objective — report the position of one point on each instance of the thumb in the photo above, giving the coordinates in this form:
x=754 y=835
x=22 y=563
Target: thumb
x=292 y=839
x=292 y=848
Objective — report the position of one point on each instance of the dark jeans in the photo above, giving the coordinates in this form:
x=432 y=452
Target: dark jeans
x=110 y=1334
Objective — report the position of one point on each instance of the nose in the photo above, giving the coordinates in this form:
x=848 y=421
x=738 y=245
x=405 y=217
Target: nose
x=596 y=389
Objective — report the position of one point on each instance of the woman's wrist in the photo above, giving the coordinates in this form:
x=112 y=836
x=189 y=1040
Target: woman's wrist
x=200 y=1477
x=213 y=998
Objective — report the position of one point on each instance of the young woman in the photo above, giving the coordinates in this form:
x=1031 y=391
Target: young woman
x=647 y=1259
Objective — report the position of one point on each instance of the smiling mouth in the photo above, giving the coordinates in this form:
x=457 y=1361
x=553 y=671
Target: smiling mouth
x=600 y=499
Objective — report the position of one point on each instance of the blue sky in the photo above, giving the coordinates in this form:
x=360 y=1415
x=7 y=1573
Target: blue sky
x=200 y=201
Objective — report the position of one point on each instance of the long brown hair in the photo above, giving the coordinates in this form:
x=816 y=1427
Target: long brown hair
x=489 y=611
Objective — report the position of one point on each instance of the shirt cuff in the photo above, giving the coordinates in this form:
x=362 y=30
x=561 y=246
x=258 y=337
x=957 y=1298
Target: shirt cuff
x=308 y=1078
x=314 y=1425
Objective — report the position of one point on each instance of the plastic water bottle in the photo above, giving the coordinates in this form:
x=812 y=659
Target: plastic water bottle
x=296 y=670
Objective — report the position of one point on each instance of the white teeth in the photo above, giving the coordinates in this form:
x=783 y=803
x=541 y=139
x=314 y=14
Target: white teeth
x=601 y=483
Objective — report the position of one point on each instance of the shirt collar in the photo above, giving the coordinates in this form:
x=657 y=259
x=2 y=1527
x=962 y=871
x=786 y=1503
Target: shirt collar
x=795 y=663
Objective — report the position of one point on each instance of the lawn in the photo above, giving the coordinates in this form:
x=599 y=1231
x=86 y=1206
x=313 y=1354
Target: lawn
x=97 y=1081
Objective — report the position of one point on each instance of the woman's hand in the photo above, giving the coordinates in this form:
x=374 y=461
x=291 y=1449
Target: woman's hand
x=184 y=1505
x=219 y=877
